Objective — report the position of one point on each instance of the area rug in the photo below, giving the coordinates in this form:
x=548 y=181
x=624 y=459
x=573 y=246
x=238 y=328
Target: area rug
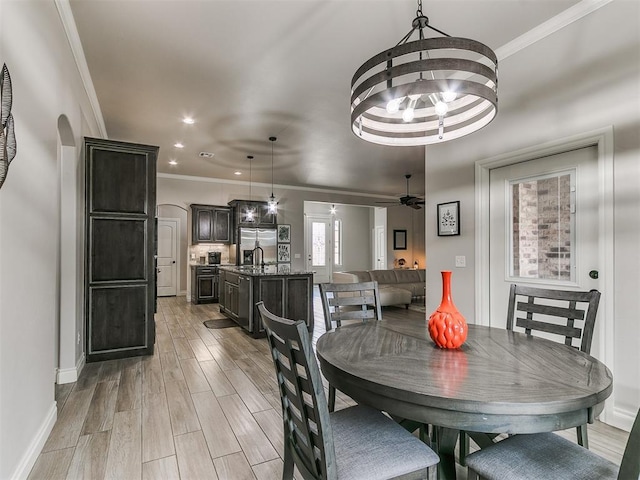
x=417 y=307
x=220 y=323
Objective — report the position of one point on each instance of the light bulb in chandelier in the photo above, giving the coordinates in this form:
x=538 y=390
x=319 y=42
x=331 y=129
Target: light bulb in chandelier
x=393 y=106
x=441 y=108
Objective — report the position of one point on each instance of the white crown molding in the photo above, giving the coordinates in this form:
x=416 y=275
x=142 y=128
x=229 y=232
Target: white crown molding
x=69 y=24
x=192 y=178
x=563 y=19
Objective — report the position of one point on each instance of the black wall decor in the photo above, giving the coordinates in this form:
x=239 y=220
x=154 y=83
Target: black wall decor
x=8 y=145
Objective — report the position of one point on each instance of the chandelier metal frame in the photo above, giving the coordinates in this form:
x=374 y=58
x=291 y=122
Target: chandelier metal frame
x=426 y=91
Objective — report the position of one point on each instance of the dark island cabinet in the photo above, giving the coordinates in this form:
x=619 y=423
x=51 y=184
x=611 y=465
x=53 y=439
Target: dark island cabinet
x=120 y=227
x=285 y=295
x=210 y=224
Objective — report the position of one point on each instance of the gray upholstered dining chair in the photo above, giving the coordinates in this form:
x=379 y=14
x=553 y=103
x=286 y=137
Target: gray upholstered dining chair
x=547 y=455
x=348 y=302
x=354 y=443
x=568 y=315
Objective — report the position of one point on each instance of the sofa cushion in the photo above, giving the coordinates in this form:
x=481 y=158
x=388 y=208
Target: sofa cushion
x=383 y=276
x=351 y=277
x=391 y=295
x=407 y=276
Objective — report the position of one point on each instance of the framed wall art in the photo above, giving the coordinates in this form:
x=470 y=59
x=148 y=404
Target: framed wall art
x=448 y=219
x=399 y=239
x=284 y=233
x=284 y=268
x=284 y=252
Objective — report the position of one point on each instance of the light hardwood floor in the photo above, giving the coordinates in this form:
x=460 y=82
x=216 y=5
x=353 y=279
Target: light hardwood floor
x=205 y=405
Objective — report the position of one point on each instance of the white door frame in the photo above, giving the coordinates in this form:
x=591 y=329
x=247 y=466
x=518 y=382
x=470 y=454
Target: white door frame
x=603 y=139
x=379 y=245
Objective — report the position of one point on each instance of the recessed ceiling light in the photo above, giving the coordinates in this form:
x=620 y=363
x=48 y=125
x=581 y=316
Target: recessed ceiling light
x=173 y=162
x=237 y=173
x=206 y=154
x=178 y=145
x=188 y=120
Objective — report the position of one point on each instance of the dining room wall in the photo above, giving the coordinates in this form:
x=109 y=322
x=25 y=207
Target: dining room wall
x=46 y=88
x=550 y=90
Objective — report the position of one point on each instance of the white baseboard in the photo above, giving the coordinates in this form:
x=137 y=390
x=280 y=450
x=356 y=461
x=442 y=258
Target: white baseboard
x=70 y=375
x=31 y=455
x=622 y=419
x=182 y=293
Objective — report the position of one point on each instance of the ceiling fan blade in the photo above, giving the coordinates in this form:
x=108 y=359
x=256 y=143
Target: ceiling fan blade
x=415 y=206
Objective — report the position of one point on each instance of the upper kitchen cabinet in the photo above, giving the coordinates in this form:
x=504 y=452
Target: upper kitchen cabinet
x=120 y=248
x=210 y=224
x=262 y=218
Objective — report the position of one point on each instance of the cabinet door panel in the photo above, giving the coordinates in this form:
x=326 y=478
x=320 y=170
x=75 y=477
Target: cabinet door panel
x=118 y=181
x=117 y=249
x=119 y=318
x=298 y=300
x=203 y=219
x=222 y=226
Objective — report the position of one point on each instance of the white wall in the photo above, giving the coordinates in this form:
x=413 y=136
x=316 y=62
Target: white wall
x=556 y=88
x=356 y=233
x=45 y=85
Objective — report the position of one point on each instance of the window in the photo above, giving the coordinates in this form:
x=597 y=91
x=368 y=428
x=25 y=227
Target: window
x=337 y=242
x=319 y=244
x=542 y=226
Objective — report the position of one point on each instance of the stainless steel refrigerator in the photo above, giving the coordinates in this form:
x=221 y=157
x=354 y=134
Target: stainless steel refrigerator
x=249 y=239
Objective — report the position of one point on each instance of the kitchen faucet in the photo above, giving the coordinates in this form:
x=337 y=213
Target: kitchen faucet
x=258 y=247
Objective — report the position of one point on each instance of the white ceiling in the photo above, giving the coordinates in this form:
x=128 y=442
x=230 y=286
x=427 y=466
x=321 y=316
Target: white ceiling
x=246 y=70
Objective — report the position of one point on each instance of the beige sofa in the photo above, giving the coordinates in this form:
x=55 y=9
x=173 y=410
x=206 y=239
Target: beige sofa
x=397 y=287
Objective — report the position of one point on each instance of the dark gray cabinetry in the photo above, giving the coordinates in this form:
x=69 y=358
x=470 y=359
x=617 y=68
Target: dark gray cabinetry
x=210 y=224
x=120 y=248
x=288 y=296
x=204 y=284
x=262 y=217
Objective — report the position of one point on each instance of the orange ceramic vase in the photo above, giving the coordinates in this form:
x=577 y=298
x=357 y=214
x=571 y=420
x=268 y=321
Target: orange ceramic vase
x=447 y=326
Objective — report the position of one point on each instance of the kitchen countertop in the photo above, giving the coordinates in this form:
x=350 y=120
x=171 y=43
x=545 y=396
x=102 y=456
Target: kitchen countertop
x=258 y=272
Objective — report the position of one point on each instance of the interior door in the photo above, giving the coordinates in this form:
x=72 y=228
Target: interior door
x=543 y=226
x=318 y=247
x=167 y=256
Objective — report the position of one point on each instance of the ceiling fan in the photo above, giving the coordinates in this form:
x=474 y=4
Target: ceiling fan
x=409 y=200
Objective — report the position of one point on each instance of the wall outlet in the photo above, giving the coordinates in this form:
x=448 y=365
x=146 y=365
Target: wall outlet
x=461 y=261
x=297 y=255
x=78 y=338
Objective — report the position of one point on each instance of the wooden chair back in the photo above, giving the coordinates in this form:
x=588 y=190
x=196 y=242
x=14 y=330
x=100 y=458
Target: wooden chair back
x=307 y=428
x=528 y=307
x=350 y=301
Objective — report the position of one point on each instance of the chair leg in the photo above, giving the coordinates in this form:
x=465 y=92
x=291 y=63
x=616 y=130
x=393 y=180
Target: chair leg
x=583 y=439
x=287 y=468
x=332 y=398
x=464 y=448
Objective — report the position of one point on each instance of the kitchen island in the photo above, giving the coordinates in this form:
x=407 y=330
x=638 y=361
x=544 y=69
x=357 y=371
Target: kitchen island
x=288 y=295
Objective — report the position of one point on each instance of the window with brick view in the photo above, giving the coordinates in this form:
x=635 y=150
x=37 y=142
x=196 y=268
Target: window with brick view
x=542 y=244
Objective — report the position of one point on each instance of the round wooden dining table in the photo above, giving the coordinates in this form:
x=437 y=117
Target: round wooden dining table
x=499 y=381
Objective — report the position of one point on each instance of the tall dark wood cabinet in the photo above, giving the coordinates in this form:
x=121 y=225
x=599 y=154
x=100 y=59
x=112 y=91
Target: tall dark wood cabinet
x=120 y=249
